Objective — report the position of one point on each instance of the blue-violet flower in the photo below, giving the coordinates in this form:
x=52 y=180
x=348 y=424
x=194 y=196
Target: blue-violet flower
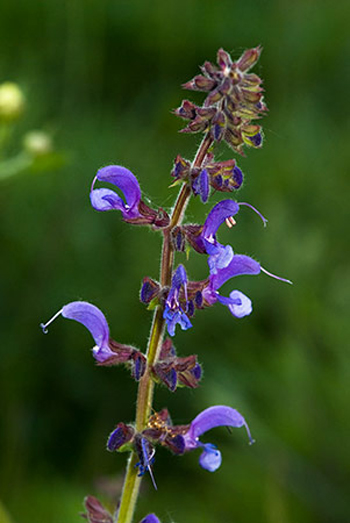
x=151 y=518
x=238 y=304
x=173 y=312
x=220 y=255
x=217 y=416
x=107 y=199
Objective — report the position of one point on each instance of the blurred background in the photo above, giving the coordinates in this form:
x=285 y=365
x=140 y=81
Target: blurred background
x=100 y=80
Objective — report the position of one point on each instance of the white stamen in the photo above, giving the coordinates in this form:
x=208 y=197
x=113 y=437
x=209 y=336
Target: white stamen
x=230 y=222
x=45 y=325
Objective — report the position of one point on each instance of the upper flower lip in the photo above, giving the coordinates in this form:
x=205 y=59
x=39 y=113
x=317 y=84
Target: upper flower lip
x=220 y=256
x=151 y=518
x=95 y=321
x=91 y=317
x=217 y=416
x=218 y=214
x=107 y=199
x=173 y=312
x=240 y=264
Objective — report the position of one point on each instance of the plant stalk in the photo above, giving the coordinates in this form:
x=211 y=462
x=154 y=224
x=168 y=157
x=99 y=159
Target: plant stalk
x=145 y=394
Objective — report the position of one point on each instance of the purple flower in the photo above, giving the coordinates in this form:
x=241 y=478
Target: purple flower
x=133 y=209
x=151 y=518
x=220 y=255
x=201 y=185
x=94 y=320
x=238 y=304
x=107 y=199
x=217 y=416
x=173 y=312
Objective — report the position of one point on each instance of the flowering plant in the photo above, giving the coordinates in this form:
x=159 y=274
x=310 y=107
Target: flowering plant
x=233 y=103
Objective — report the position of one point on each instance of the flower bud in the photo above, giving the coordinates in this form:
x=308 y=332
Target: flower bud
x=11 y=101
x=37 y=143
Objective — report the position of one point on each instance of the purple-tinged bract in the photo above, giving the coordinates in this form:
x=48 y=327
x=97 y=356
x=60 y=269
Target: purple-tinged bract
x=238 y=304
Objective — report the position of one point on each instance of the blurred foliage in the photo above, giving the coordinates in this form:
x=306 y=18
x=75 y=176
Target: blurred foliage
x=105 y=76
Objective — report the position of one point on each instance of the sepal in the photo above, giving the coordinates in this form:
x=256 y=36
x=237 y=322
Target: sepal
x=125 y=354
x=174 y=371
x=121 y=438
x=150 y=290
x=178 y=239
x=150 y=518
x=118 y=354
x=249 y=58
x=96 y=512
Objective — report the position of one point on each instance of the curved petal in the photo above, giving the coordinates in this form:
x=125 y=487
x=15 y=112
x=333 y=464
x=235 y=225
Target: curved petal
x=239 y=265
x=220 y=256
x=174 y=317
x=179 y=277
x=124 y=180
x=102 y=353
x=238 y=303
x=217 y=416
x=219 y=213
x=210 y=459
x=151 y=518
x=91 y=317
x=106 y=200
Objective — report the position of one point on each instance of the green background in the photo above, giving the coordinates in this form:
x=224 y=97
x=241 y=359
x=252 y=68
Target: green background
x=103 y=77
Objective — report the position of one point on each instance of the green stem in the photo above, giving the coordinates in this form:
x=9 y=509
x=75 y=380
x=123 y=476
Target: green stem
x=146 y=386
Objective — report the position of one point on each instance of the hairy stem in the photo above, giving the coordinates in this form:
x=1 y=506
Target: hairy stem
x=146 y=386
